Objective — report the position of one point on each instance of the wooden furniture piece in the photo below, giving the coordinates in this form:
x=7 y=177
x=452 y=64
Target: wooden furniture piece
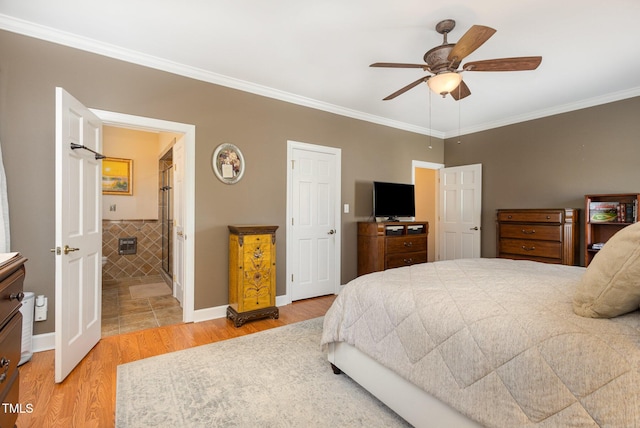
x=605 y=215
x=11 y=294
x=543 y=235
x=386 y=245
x=252 y=273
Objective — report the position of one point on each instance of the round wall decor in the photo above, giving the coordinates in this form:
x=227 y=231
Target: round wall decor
x=228 y=163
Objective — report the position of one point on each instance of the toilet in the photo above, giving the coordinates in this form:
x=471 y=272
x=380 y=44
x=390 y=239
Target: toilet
x=104 y=260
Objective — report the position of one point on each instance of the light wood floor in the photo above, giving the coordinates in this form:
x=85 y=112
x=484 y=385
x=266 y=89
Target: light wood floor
x=87 y=397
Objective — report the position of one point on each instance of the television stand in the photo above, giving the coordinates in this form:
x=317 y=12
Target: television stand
x=389 y=244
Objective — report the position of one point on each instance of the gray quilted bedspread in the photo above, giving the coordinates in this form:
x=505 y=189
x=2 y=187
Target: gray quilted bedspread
x=496 y=339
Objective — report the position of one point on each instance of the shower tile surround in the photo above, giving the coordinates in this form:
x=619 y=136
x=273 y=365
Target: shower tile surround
x=147 y=261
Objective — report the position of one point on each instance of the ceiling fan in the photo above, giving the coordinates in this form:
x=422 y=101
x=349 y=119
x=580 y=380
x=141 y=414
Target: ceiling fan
x=443 y=62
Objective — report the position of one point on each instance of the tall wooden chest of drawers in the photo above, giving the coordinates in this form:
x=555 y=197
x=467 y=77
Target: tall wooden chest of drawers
x=386 y=245
x=11 y=294
x=252 y=273
x=544 y=235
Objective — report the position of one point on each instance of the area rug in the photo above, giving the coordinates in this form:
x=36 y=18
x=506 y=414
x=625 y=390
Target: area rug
x=144 y=291
x=274 y=378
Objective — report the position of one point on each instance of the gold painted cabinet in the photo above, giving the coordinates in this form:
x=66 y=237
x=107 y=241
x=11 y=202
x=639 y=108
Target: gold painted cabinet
x=252 y=273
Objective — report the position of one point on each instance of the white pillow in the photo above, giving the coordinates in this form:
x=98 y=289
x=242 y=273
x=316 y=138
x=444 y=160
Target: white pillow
x=611 y=284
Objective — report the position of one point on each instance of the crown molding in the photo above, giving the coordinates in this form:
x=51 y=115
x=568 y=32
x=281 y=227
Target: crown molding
x=49 y=34
x=564 y=108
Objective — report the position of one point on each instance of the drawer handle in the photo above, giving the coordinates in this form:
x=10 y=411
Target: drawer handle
x=17 y=296
x=528 y=232
x=4 y=364
x=528 y=248
x=408 y=261
x=408 y=244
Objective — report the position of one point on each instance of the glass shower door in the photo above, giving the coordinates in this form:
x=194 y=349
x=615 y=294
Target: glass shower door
x=167 y=220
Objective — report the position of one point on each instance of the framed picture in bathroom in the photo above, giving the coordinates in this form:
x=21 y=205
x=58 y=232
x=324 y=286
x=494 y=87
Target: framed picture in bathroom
x=117 y=176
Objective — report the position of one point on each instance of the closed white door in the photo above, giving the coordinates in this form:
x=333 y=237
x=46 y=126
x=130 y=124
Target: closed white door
x=78 y=233
x=178 y=218
x=460 y=212
x=313 y=251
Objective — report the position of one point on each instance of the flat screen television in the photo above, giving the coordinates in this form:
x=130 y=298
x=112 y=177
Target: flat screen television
x=393 y=200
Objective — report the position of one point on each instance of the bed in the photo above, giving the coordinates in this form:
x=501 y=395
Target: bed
x=486 y=342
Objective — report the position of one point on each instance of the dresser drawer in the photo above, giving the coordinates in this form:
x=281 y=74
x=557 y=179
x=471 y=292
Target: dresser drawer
x=547 y=249
x=10 y=348
x=406 y=259
x=531 y=216
x=10 y=395
x=406 y=243
x=542 y=232
x=9 y=293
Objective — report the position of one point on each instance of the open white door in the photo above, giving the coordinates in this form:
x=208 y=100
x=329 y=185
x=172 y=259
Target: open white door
x=78 y=233
x=313 y=243
x=178 y=218
x=460 y=212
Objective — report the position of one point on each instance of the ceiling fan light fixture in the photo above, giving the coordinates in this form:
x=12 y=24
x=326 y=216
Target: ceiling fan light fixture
x=444 y=83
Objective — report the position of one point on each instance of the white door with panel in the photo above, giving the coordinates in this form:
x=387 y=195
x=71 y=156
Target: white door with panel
x=78 y=194
x=460 y=212
x=178 y=218
x=313 y=251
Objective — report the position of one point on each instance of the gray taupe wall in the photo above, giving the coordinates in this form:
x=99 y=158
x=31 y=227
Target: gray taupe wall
x=550 y=162
x=553 y=162
x=30 y=70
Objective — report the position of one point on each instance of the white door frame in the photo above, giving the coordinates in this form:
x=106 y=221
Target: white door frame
x=189 y=131
x=435 y=228
x=291 y=145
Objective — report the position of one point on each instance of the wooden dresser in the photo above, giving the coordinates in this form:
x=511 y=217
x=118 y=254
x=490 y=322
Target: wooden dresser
x=386 y=245
x=252 y=273
x=11 y=294
x=544 y=235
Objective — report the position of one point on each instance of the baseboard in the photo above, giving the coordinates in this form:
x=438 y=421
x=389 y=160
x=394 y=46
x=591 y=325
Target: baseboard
x=207 y=314
x=43 y=342
x=216 y=312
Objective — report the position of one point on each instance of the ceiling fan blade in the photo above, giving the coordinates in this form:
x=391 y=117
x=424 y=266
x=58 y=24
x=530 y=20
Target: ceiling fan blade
x=398 y=65
x=462 y=91
x=406 y=88
x=505 y=64
x=470 y=41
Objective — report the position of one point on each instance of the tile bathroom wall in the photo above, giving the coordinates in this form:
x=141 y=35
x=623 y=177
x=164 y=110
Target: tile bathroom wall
x=147 y=261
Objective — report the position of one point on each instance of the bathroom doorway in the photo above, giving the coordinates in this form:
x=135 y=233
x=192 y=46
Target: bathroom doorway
x=138 y=288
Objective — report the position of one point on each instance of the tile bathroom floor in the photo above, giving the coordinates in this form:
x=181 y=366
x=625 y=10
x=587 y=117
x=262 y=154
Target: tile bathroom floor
x=123 y=314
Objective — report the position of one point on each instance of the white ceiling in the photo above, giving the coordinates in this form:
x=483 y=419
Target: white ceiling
x=317 y=53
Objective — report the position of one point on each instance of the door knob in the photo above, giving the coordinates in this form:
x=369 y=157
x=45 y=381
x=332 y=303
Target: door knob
x=474 y=228
x=67 y=249
x=332 y=231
